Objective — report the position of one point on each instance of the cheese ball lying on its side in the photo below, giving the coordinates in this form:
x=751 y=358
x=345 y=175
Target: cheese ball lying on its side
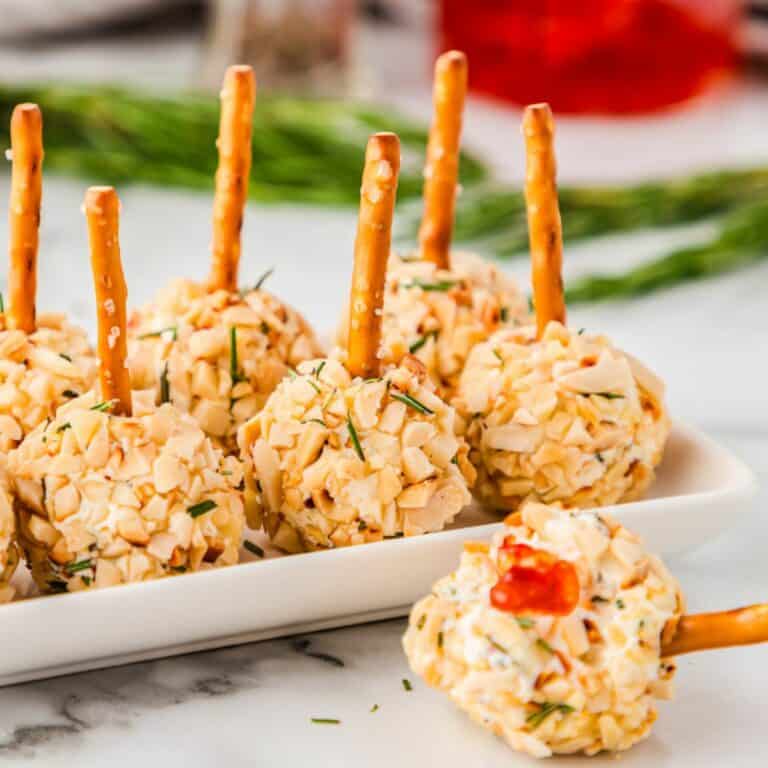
x=438 y=315
x=569 y=418
x=9 y=554
x=581 y=679
x=340 y=461
x=216 y=355
x=103 y=499
x=40 y=371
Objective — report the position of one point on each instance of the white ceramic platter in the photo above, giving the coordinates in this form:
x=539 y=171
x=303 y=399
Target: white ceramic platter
x=699 y=491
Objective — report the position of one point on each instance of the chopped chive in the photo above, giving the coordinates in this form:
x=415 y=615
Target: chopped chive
x=422 y=340
x=316 y=372
x=102 y=407
x=440 y=285
x=156 y=334
x=524 y=622
x=201 y=508
x=599 y=457
x=2 y=303
x=407 y=684
x=263 y=279
x=544 y=645
x=234 y=372
x=598 y=599
x=581 y=331
x=315 y=421
x=606 y=395
x=265 y=329
x=412 y=402
x=67 y=425
x=354 y=438
x=374 y=708
x=179 y=568
x=81 y=565
x=362 y=525
x=314 y=386
x=325 y=721
x=70 y=393
x=421 y=622
x=440 y=639
x=58 y=585
x=531 y=306
x=535 y=719
x=165 y=387
x=66 y=357
x=620 y=604
x=455 y=460
x=87 y=580
x=497 y=355
x=500 y=648
x=504 y=314
x=254 y=548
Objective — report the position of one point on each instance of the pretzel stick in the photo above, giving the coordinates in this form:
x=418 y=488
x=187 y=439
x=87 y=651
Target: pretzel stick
x=238 y=95
x=102 y=210
x=703 y=631
x=26 y=193
x=544 y=229
x=441 y=172
x=372 y=244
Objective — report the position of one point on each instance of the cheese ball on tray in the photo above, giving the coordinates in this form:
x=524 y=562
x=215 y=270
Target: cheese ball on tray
x=9 y=553
x=567 y=417
x=439 y=314
x=551 y=637
x=343 y=460
x=211 y=349
x=114 y=489
x=216 y=354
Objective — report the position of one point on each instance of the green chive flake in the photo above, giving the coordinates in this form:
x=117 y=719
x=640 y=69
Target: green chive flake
x=422 y=340
x=524 y=622
x=106 y=405
x=535 y=719
x=325 y=721
x=172 y=329
x=407 y=684
x=201 y=508
x=412 y=402
x=253 y=548
x=165 y=387
x=439 y=285
x=263 y=279
x=354 y=438
x=80 y=565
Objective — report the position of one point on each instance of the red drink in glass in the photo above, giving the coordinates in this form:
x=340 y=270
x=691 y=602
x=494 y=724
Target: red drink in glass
x=609 y=56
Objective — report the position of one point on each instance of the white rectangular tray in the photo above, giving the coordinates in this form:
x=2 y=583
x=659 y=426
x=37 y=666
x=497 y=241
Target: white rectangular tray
x=700 y=490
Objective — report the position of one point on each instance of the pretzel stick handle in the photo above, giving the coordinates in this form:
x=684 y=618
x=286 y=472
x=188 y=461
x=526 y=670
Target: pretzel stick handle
x=102 y=211
x=238 y=96
x=372 y=246
x=441 y=172
x=704 y=631
x=26 y=194
x=545 y=231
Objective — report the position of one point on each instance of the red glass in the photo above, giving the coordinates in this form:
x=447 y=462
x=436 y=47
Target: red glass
x=534 y=581
x=608 y=56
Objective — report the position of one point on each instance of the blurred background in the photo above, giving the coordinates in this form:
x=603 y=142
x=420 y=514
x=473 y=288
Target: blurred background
x=661 y=108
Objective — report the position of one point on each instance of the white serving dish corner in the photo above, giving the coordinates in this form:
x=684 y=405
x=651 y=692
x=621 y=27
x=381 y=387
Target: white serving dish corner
x=700 y=491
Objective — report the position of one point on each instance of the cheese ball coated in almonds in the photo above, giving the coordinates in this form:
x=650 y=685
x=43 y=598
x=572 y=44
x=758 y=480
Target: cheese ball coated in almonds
x=216 y=355
x=438 y=315
x=584 y=682
x=340 y=461
x=39 y=372
x=569 y=418
x=104 y=499
x=9 y=554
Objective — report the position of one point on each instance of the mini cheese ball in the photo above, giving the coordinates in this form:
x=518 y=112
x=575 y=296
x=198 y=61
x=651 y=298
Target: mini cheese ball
x=113 y=489
x=553 y=414
x=218 y=354
x=342 y=460
x=348 y=453
x=44 y=360
x=567 y=417
x=211 y=349
x=439 y=304
x=439 y=314
x=582 y=679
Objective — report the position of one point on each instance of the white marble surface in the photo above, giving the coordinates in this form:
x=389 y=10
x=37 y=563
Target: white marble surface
x=252 y=705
